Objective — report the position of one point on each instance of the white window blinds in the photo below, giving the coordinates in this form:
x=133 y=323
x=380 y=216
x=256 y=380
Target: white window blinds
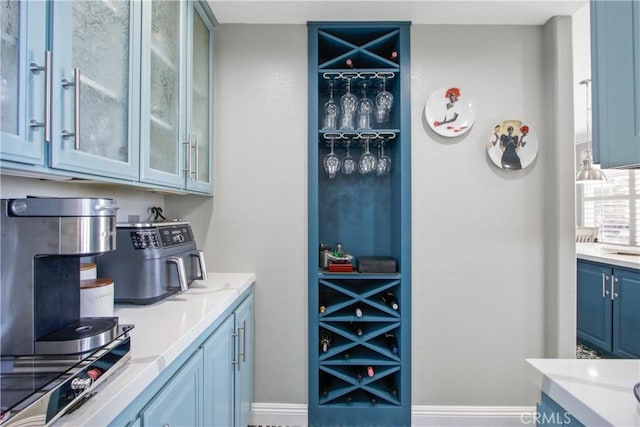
x=614 y=207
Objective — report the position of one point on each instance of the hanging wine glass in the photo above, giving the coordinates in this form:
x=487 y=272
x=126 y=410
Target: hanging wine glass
x=364 y=109
x=383 y=165
x=331 y=162
x=330 y=109
x=367 y=163
x=348 y=103
x=348 y=164
x=384 y=103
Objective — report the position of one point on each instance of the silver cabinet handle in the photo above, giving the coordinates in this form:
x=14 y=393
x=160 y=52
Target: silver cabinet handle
x=35 y=69
x=614 y=280
x=76 y=114
x=182 y=276
x=236 y=360
x=244 y=341
x=604 y=285
x=197 y=141
x=203 y=268
x=187 y=150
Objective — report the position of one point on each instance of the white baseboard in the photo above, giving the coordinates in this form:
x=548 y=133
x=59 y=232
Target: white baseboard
x=290 y=415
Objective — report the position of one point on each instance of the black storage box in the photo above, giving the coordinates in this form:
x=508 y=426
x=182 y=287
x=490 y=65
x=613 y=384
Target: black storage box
x=377 y=264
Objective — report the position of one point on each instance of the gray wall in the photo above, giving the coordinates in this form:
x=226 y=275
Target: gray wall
x=485 y=241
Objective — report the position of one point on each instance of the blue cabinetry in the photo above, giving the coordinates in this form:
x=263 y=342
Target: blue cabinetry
x=359 y=346
x=615 y=64
x=608 y=313
x=23 y=75
x=210 y=384
x=180 y=402
x=549 y=413
x=126 y=98
x=177 y=83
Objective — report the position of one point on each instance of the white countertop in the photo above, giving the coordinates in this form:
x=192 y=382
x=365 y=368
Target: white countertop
x=599 y=253
x=597 y=392
x=162 y=332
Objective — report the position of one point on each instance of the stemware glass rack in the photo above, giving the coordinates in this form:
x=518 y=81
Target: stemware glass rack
x=359 y=346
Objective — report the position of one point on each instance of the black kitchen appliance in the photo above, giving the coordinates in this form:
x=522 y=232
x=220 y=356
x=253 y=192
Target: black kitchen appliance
x=152 y=261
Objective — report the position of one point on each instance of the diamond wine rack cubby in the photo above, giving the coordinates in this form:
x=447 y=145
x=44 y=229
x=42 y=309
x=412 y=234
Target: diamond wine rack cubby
x=359 y=323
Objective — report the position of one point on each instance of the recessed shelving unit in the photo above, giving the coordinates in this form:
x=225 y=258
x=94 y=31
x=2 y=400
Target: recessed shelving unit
x=360 y=343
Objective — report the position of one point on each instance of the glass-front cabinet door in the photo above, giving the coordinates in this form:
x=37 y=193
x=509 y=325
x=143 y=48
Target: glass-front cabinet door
x=95 y=66
x=162 y=119
x=200 y=99
x=23 y=76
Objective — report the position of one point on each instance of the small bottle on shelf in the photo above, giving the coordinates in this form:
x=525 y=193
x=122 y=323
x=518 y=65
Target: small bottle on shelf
x=391 y=342
x=349 y=63
x=389 y=298
x=323 y=307
x=394 y=55
x=359 y=373
x=390 y=384
x=358 y=312
x=357 y=329
x=325 y=384
x=325 y=341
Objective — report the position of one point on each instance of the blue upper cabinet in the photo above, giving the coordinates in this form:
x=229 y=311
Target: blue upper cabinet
x=23 y=72
x=615 y=63
x=94 y=87
x=177 y=83
x=123 y=98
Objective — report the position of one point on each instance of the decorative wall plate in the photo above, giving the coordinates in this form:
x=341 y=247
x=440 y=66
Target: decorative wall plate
x=450 y=112
x=512 y=145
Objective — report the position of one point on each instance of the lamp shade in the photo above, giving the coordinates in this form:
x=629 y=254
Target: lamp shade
x=588 y=173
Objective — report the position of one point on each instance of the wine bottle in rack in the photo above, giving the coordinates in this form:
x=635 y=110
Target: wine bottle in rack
x=370 y=371
x=390 y=384
x=349 y=63
x=357 y=329
x=325 y=384
x=359 y=373
x=358 y=312
x=389 y=298
x=323 y=307
x=374 y=401
x=393 y=56
x=349 y=400
x=325 y=341
x=391 y=342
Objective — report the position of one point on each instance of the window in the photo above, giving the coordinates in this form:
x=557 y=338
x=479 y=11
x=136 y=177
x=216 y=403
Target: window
x=613 y=206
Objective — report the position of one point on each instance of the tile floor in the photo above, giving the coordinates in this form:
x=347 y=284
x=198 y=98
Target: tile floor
x=584 y=352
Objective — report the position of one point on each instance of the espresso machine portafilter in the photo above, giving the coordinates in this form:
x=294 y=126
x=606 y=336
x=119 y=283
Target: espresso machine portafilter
x=42 y=242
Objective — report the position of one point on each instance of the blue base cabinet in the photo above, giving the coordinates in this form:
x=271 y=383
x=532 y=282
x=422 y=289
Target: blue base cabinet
x=180 y=401
x=608 y=313
x=549 y=413
x=210 y=384
x=359 y=343
x=615 y=69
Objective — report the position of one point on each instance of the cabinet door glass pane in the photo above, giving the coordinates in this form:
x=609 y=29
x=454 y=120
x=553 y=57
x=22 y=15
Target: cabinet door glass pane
x=200 y=94
x=101 y=51
x=9 y=60
x=165 y=74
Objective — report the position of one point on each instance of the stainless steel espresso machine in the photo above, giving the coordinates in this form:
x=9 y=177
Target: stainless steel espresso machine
x=50 y=356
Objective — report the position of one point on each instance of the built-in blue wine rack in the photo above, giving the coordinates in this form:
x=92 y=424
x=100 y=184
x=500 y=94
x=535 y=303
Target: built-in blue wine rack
x=359 y=343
